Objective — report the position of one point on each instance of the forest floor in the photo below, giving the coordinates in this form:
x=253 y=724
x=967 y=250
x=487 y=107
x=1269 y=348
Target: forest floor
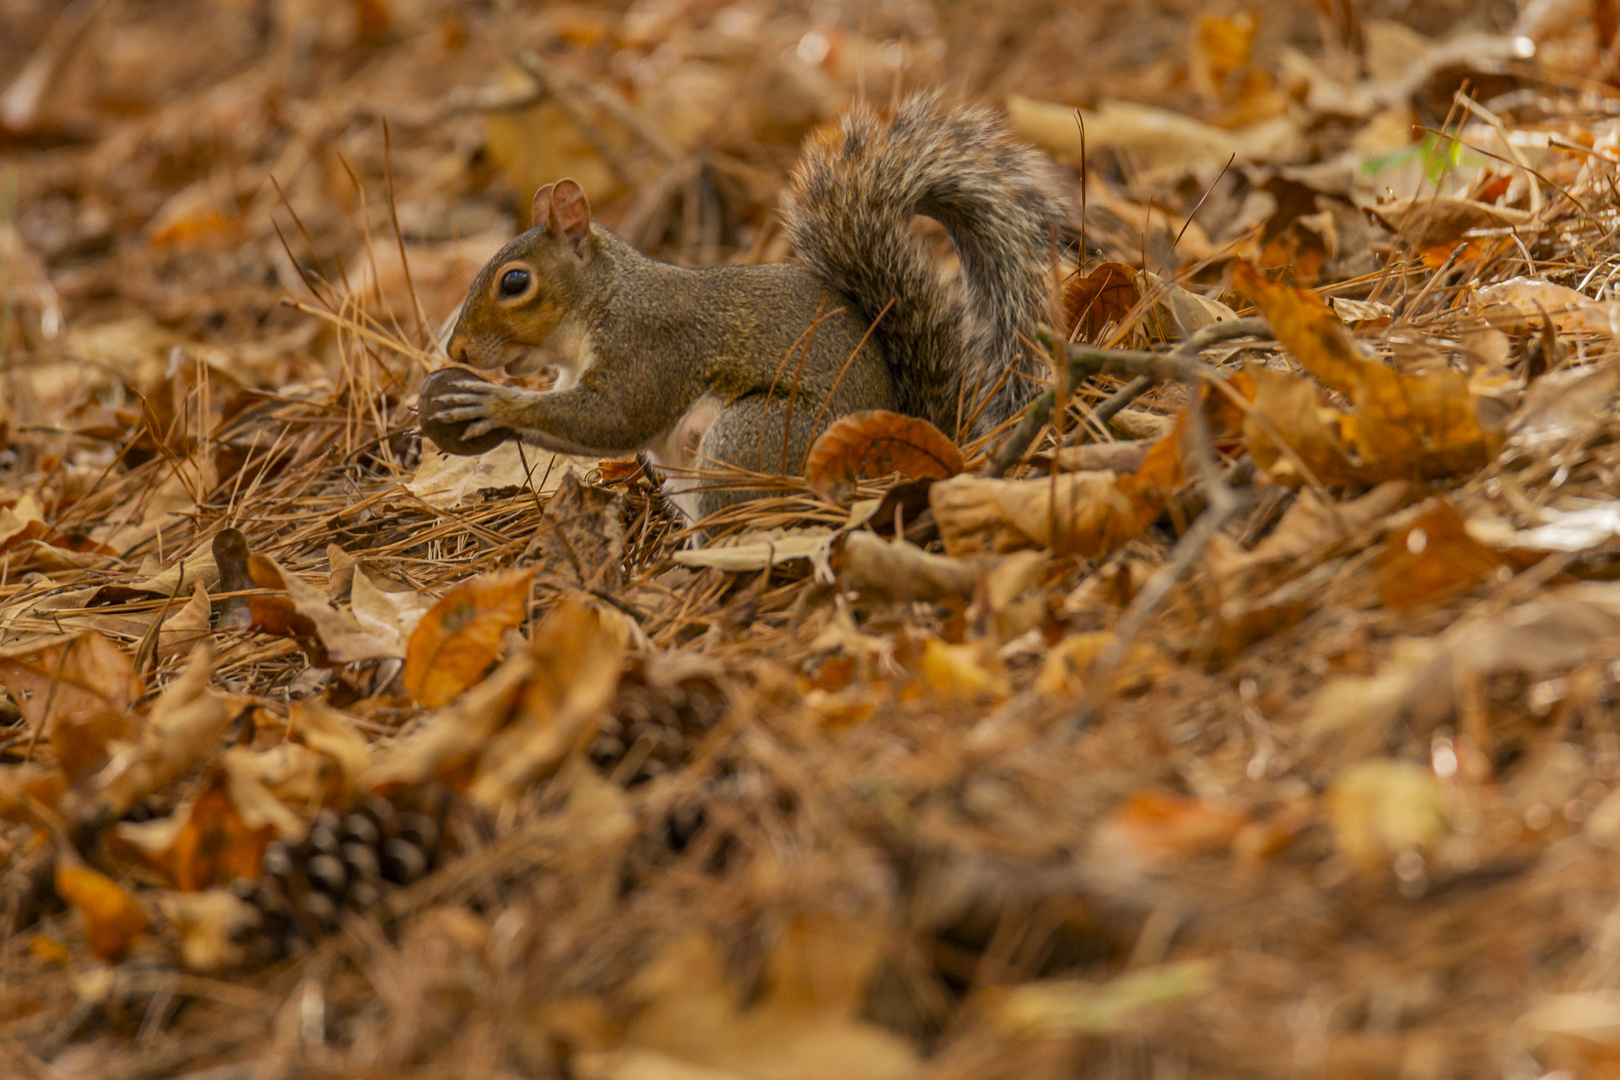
x=1253 y=714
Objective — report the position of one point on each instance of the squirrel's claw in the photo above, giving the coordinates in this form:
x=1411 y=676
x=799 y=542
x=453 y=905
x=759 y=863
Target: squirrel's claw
x=465 y=397
x=464 y=412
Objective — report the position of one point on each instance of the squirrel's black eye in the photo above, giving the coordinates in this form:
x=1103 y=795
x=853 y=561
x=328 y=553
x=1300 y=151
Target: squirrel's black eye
x=514 y=282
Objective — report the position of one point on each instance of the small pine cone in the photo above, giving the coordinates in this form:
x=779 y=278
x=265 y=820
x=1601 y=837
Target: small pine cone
x=345 y=862
x=664 y=706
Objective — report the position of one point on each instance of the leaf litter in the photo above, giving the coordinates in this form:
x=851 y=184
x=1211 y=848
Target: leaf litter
x=1246 y=708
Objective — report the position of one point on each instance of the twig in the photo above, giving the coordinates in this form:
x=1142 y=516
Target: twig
x=622 y=111
x=1223 y=504
x=589 y=131
x=1113 y=405
x=1180 y=364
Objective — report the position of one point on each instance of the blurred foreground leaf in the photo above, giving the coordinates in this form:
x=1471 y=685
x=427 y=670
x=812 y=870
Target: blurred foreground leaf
x=113 y=919
x=1083 y=1008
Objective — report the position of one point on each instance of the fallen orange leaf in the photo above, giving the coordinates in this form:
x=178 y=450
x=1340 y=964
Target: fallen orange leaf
x=1224 y=45
x=1159 y=825
x=1404 y=426
x=1293 y=436
x=215 y=847
x=460 y=636
x=50 y=950
x=1432 y=558
x=113 y=919
x=1105 y=295
x=876 y=443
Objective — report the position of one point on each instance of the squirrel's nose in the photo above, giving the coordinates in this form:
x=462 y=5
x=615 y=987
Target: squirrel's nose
x=457 y=349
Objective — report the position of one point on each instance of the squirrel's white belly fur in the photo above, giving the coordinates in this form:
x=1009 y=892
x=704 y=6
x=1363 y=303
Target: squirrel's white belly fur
x=677 y=449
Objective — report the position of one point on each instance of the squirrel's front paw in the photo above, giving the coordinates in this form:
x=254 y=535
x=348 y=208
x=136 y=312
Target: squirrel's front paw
x=465 y=414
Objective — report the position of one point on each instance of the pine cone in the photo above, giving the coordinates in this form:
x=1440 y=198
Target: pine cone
x=664 y=706
x=345 y=863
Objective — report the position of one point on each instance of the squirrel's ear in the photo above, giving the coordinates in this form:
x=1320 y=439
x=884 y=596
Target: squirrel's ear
x=570 y=214
x=540 y=209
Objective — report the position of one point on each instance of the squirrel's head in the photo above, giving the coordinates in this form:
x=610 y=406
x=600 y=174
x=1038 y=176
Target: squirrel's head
x=520 y=299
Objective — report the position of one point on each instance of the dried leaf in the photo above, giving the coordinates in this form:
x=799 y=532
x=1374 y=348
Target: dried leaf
x=332 y=734
x=867 y=563
x=536 y=144
x=1565 y=406
x=1087 y=513
x=875 y=443
x=1553 y=633
x=802 y=1028
x=254 y=780
x=1592 y=1016
x=1312 y=531
x=1431 y=558
x=580 y=542
x=750 y=551
x=1523 y=303
x=459 y=638
x=1169 y=145
x=1429 y=221
x=113 y=919
x=1155 y=824
x=1577 y=530
x=81 y=690
x=185 y=629
x=198 y=566
x=291 y=772
x=1105 y=295
x=1178 y=311
x=1113 y=290
x=447 y=480
x=205 y=844
x=23 y=785
x=210 y=926
x=186 y=726
x=1118 y=457
x=959 y=671
x=343 y=640
x=1222 y=48
x=1293 y=436
x=1383 y=807
x=278 y=616
x=1080 y=1008
x=1357 y=312
x=577 y=659
x=1405 y=426
x=388 y=617
x=444 y=746
x=21 y=521
x=1068 y=665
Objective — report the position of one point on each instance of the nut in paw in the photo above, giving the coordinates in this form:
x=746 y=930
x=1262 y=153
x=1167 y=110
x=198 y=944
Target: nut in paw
x=451 y=411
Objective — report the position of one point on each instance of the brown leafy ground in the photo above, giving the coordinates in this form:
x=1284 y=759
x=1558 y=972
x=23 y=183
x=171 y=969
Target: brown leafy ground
x=1270 y=738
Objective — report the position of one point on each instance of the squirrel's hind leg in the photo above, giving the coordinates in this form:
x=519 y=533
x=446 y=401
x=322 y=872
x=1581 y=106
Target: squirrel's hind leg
x=753 y=436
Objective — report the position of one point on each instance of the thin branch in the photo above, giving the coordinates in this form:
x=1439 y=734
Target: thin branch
x=1181 y=364
x=1223 y=505
x=591 y=132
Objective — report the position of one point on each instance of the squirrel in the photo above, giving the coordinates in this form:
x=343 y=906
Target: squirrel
x=746 y=365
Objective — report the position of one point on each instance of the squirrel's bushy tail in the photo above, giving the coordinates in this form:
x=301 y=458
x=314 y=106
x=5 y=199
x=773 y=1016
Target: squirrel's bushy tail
x=849 y=216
